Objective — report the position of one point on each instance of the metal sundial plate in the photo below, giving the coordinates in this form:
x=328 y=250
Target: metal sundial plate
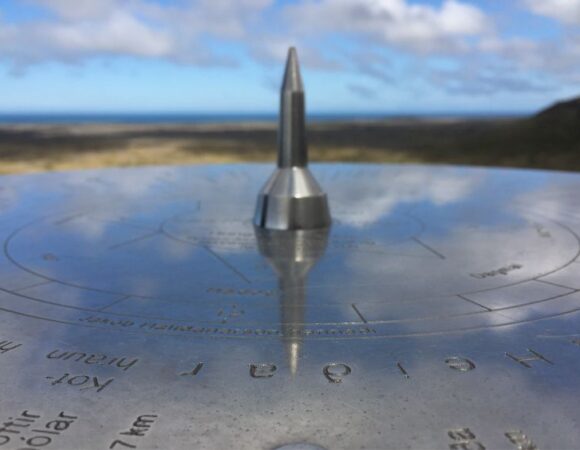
x=141 y=309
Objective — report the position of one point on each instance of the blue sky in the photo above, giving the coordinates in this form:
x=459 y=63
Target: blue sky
x=395 y=56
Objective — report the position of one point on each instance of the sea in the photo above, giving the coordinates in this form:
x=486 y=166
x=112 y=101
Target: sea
x=205 y=118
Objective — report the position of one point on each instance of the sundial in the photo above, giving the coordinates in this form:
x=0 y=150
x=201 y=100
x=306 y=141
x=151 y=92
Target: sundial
x=434 y=307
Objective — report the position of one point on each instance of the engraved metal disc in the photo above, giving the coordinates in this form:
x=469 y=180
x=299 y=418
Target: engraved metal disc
x=141 y=308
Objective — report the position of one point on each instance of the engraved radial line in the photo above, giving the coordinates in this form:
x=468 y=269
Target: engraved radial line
x=358 y=313
x=134 y=240
x=554 y=284
x=227 y=264
x=403 y=371
x=474 y=302
x=40 y=283
x=119 y=300
x=69 y=219
x=431 y=249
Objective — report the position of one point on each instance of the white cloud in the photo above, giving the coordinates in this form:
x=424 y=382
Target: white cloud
x=476 y=78
x=566 y=11
x=119 y=33
x=555 y=61
x=451 y=44
x=75 y=30
x=83 y=29
x=80 y=9
x=414 y=27
x=230 y=19
x=382 y=191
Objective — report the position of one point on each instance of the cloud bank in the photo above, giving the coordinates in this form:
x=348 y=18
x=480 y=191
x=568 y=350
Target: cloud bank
x=566 y=11
x=456 y=45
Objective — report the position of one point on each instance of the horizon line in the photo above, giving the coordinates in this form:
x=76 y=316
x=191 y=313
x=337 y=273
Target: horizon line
x=266 y=113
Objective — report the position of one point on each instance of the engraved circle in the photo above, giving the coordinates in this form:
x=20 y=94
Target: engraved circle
x=404 y=270
x=329 y=329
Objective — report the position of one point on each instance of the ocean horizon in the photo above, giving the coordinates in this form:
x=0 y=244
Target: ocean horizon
x=208 y=118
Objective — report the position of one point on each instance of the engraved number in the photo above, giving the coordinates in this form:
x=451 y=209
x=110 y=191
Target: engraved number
x=464 y=439
x=335 y=372
x=460 y=364
x=520 y=440
x=262 y=370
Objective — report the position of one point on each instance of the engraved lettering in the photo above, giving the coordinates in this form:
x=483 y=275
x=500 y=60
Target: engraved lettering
x=125 y=364
x=335 y=372
x=60 y=380
x=7 y=346
x=134 y=432
x=56 y=355
x=230 y=313
x=75 y=356
x=542 y=231
x=26 y=428
x=95 y=359
x=460 y=364
x=84 y=382
x=144 y=421
x=121 y=362
x=50 y=257
x=79 y=380
x=107 y=321
x=16 y=426
x=138 y=429
x=241 y=292
x=175 y=328
x=501 y=271
x=526 y=360
x=461 y=434
x=262 y=370
x=58 y=425
x=98 y=385
x=38 y=441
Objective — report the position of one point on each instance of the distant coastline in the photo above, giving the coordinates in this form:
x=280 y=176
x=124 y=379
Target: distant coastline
x=72 y=118
x=39 y=142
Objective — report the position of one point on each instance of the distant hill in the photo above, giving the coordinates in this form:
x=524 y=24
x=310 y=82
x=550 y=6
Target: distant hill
x=564 y=112
x=556 y=127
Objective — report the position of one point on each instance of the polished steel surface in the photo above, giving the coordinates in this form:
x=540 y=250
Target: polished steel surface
x=292 y=151
x=292 y=199
x=141 y=308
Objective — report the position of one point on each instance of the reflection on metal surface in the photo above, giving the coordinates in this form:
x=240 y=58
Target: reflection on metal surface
x=292 y=198
x=142 y=307
x=292 y=254
x=300 y=446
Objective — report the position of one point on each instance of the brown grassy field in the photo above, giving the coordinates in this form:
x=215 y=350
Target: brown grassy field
x=538 y=142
